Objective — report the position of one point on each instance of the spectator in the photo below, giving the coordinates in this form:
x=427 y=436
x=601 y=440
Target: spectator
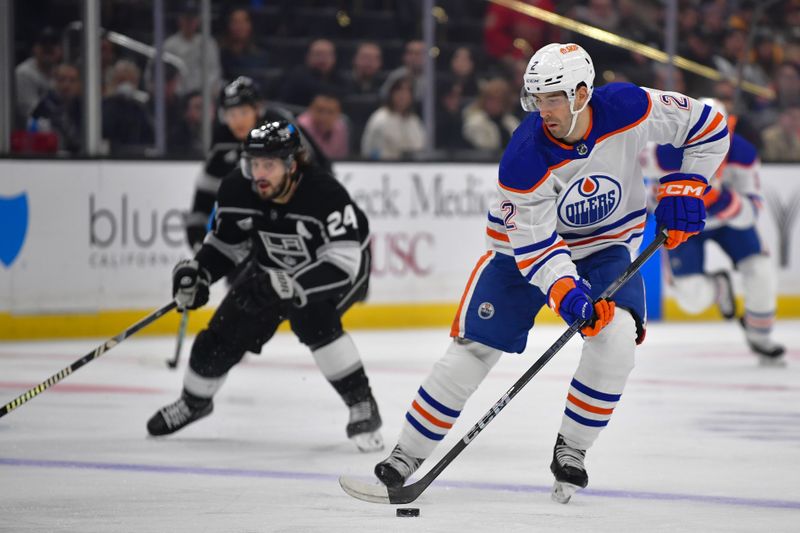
x=108 y=56
x=781 y=141
x=34 y=76
x=319 y=70
x=508 y=35
x=462 y=71
x=724 y=91
x=187 y=44
x=62 y=107
x=449 y=117
x=365 y=77
x=661 y=78
x=488 y=122
x=184 y=138
x=394 y=129
x=732 y=53
x=239 y=55
x=787 y=93
x=412 y=69
x=127 y=126
x=323 y=121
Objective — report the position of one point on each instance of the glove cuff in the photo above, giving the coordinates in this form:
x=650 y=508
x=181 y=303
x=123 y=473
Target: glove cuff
x=680 y=184
x=557 y=291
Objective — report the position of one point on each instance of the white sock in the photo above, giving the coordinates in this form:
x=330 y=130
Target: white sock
x=338 y=359
x=760 y=287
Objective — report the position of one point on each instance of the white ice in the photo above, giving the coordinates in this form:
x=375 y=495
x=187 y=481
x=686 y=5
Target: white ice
x=703 y=440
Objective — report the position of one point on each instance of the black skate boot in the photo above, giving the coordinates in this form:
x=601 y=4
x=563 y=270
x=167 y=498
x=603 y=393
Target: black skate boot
x=363 y=426
x=726 y=301
x=567 y=467
x=397 y=468
x=178 y=414
x=769 y=352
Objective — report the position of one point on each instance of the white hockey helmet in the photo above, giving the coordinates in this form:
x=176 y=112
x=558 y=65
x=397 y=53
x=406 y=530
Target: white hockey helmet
x=557 y=67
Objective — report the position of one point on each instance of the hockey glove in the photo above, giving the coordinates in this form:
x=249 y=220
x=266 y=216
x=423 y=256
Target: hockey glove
x=572 y=300
x=195 y=236
x=680 y=206
x=268 y=289
x=190 y=284
x=722 y=203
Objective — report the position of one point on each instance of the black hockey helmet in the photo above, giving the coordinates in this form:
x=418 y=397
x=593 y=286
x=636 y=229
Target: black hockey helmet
x=241 y=91
x=278 y=139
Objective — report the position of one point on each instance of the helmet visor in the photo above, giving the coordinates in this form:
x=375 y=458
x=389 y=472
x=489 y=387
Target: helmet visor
x=542 y=102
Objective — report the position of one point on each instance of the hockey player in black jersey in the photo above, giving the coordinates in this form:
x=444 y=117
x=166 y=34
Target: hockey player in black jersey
x=240 y=110
x=310 y=263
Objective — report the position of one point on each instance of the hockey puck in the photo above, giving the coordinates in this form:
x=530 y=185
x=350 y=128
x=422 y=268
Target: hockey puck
x=408 y=511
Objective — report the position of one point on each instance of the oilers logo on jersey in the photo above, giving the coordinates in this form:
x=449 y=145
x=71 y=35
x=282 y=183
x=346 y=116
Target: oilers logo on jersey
x=589 y=200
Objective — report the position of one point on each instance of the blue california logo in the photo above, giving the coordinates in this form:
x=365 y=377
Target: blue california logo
x=589 y=200
x=13 y=227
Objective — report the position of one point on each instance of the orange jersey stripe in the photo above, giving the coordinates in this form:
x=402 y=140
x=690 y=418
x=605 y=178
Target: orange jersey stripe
x=497 y=235
x=600 y=237
x=454 y=329
x=528 y=262
x=429 y=417
x=587 y=407
x=709 y=129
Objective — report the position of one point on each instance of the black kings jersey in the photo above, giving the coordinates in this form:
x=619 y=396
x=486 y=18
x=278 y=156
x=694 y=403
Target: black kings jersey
x=318 y=237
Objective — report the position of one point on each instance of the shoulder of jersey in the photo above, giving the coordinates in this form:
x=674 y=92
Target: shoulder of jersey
x=742 y=151
x=617 y=107
x=321 y=184
x=523 y=165
x=234 y=188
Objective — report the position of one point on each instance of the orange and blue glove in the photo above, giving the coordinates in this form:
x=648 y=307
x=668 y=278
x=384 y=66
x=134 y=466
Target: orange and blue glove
x=680 y=206
x=571 y=299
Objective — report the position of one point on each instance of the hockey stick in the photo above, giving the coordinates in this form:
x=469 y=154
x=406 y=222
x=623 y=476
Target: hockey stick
x=172 y=363
x=378 y=493
x=91 y=356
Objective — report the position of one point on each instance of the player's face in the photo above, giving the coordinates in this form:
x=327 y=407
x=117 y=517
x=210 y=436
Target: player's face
x=555 y=112
x=269 y=176
x=241 y=119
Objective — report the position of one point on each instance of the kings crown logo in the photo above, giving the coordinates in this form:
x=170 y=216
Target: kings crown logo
x=13 y=227
x=589 y=200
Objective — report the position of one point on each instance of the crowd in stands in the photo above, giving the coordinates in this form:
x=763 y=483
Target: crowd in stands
x=354 y=74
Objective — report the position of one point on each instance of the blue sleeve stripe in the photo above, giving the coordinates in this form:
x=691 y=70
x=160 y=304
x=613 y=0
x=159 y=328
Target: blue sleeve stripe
x=722 y=133
x=422 y=429
x=536 y=246
x=699 y=123
x=624 y=220
x=539 y=265
x=436 y=405
x=597 y=395
x=585 y=421
x=494 y=219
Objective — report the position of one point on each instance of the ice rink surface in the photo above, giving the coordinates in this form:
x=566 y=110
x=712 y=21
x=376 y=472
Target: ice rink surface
x=703 y=440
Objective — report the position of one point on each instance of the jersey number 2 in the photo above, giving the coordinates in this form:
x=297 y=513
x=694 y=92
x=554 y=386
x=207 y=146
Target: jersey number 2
x=510 y=210
x=337 y=221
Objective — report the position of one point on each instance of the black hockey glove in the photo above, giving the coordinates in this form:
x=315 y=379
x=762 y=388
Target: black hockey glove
x=190 y=284
x=195 y=235
x=264 y=290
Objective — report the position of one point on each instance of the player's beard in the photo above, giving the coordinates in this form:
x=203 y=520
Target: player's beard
x=277 y=191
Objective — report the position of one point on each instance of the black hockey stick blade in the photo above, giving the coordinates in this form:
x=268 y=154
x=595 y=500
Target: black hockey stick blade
x=89 y=357
x=173 y=363
x=378 y=493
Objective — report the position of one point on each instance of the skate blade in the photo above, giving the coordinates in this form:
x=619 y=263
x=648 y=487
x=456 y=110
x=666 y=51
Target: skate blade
x=562 y=492
x=369 y=492
x=368 y=442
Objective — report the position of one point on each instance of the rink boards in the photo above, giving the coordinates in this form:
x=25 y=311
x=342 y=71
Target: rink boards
x=88 y=246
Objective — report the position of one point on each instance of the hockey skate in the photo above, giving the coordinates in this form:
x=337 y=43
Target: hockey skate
x=364 y=425
x=397 y=468
x=567 y=467
x=769 y=352
x=726 y=301
x=179 y=414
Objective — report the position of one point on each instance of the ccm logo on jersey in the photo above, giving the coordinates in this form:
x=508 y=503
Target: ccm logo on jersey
x=589 y=200
x=682 y=188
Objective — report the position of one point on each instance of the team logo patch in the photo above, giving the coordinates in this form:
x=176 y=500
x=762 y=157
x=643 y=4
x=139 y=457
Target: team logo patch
x=288 y=251
x=582 y=149
x=589 y=200
x=486 y=310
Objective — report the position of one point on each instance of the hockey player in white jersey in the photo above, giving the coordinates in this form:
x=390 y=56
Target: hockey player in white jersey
x=732 y=207
x=570 y=212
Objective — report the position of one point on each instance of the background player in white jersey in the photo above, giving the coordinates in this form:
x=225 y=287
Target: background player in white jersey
x=571 y=210
x=310 y=262
x=732 y=206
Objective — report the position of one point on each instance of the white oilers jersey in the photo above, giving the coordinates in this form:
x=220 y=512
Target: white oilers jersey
x=559 y=202
x=739 y=173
